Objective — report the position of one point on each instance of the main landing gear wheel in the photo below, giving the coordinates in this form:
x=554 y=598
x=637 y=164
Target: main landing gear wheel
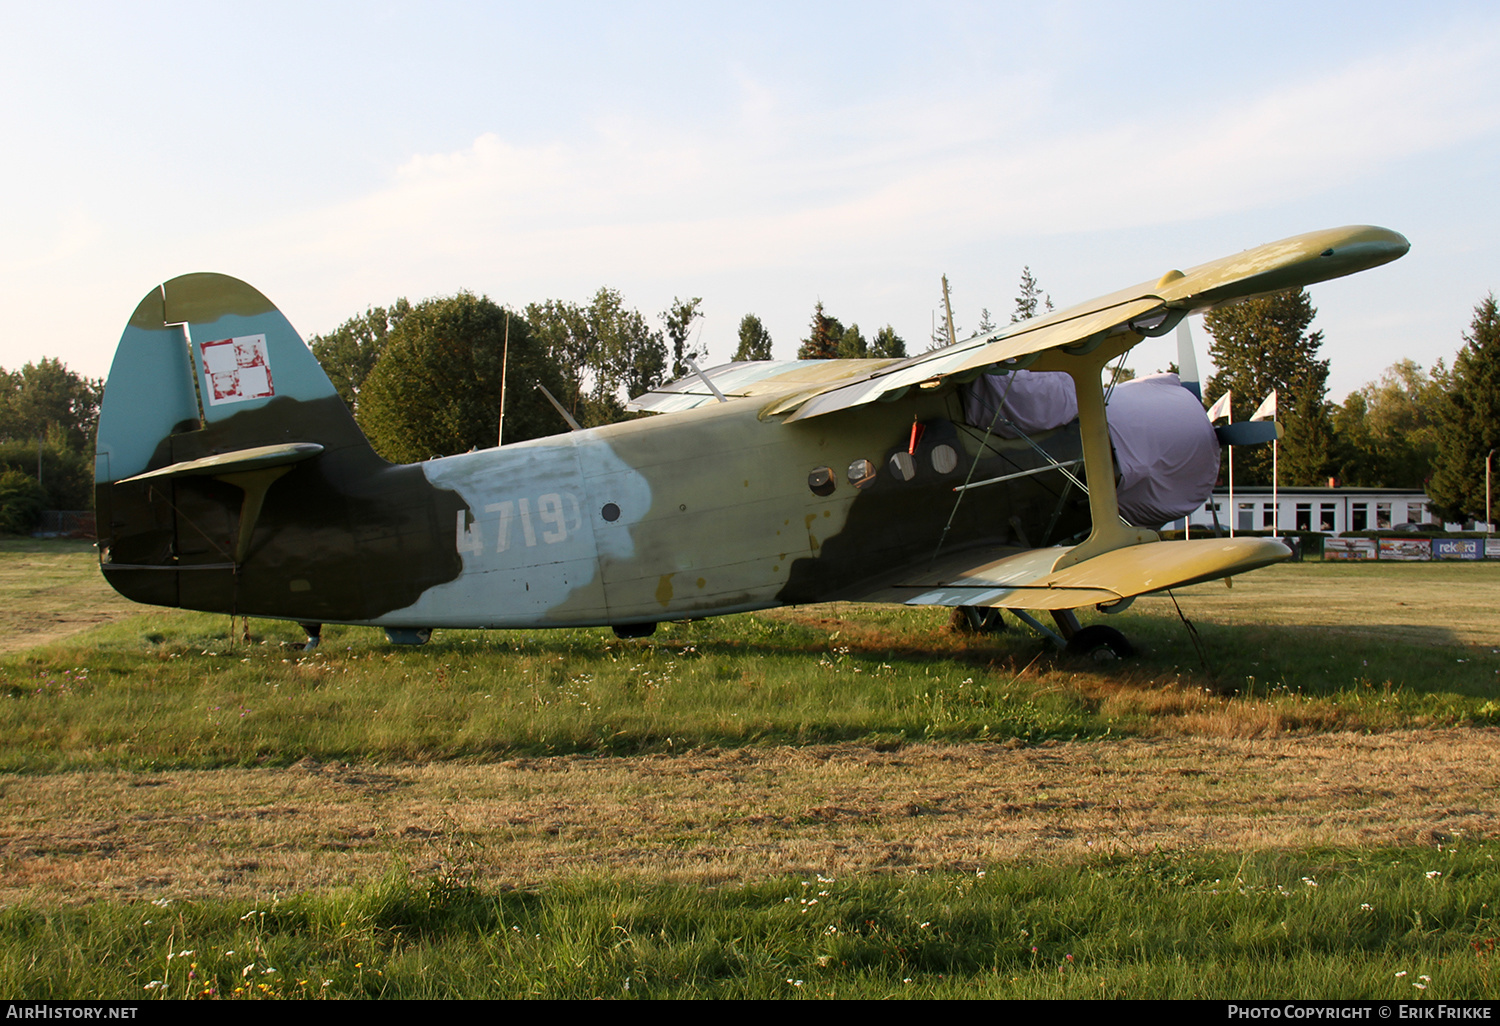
x=1100 y=643
x=976 y=620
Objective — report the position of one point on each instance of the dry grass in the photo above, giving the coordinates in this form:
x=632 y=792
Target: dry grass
x=1420 y=603
x=748 y=813
x=1220 y=773
x=53 y=589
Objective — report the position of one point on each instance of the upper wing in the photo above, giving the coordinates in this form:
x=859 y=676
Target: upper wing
x=758 y=377
x=810 y=388
x=1150 y=308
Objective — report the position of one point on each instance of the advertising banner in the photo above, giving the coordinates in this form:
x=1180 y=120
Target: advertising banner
x=1457 y=548
x=1408 y=549
x=1348 y=548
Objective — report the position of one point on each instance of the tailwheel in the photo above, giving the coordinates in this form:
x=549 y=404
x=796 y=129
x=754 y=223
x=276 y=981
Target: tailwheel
x=1100 y=643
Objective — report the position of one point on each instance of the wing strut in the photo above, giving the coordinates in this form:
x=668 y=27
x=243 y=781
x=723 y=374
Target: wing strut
x=1085 y=364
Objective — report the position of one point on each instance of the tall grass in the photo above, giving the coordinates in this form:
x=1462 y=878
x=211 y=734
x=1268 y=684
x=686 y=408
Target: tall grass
x=1374 y=924
x=174 y=690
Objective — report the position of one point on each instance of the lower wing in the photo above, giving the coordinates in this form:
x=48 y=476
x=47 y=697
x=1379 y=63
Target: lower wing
x=1026 y=579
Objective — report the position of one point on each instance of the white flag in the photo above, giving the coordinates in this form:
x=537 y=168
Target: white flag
x=1220 y=408
x=1267 y=409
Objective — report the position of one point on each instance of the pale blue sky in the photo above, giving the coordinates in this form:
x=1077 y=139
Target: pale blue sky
x=762 y=156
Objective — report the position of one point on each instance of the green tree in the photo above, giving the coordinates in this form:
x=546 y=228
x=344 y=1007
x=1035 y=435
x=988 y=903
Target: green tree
x=1261 y=345
x=1032 y=299
x=852 y=344
x=634 y=355
x=21 y=502
x=678 y=320
x=1469 y=426
x=350 y=351
x=755 y=340
x=46 y=400
x=436 y=389
x=1386 y=434
x=822 y=342
x=888 y=344
x=64 y=475
x=985 y=324
x=601 y=350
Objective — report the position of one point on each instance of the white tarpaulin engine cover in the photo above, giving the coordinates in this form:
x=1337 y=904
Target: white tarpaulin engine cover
x=1166 y=452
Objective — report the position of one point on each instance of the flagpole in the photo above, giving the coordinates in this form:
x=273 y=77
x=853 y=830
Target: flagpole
x=1232 y=510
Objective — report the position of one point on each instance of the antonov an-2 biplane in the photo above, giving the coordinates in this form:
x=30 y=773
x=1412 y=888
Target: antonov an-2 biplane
x=230 y=477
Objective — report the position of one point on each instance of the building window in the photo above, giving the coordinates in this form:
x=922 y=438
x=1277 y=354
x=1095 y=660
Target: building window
x=1359 y=516
x=1382 y=516
x=1304 y=516
x=1328 y=516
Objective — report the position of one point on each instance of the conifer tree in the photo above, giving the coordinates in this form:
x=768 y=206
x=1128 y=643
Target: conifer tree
x=822 y=343
x=1469 y=427
x=1032 y=299
x=888 y=344
x=755 y=340
x=1261 y=345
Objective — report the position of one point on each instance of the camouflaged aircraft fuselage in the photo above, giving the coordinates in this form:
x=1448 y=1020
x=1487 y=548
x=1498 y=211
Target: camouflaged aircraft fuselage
x=230 y=477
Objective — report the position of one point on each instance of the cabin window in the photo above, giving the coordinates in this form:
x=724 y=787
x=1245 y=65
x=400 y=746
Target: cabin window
x=822 y=481
x=944 y=459
x=861 y=473
x=902 y=466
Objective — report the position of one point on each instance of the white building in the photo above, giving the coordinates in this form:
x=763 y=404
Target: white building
x=1332 y=510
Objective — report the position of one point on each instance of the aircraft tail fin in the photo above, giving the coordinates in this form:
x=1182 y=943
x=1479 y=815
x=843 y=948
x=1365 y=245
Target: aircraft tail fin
x=212 y=400
x=208 y=365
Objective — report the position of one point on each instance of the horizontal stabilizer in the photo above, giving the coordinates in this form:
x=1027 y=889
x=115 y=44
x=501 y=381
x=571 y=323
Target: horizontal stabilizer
x=259 y=458
x=1026 y=580
x=1249 y=432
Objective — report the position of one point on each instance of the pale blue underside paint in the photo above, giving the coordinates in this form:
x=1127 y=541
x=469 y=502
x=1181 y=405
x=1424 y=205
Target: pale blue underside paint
x=150 y=391
x=523 y=585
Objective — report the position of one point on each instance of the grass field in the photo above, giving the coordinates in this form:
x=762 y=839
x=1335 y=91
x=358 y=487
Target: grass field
x=561 y=813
